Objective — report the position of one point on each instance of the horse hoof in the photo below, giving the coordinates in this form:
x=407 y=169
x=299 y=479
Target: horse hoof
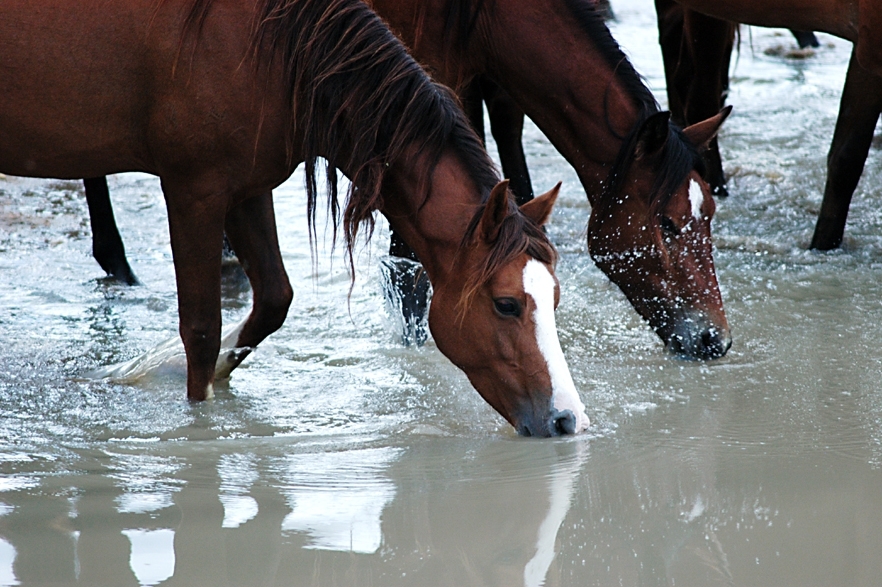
x=229 y=360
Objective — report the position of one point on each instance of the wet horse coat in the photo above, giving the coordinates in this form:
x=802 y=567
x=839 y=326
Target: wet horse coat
x=222 y=100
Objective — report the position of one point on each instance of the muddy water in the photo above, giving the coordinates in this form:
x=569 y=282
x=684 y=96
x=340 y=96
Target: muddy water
x=336 y=457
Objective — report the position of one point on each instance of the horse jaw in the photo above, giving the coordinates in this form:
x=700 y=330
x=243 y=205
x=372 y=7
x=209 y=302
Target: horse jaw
x=539 y=284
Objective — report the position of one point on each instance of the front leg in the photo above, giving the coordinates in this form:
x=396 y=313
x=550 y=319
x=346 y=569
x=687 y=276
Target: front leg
x=507 y=127
x=196 y=227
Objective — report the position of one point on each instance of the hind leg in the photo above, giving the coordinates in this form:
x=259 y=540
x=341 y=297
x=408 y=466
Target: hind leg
x=107 y=245
x=251 y=229
x=858 y=112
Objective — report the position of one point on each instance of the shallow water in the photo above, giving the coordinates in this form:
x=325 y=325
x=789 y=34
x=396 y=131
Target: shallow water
x=335 y=456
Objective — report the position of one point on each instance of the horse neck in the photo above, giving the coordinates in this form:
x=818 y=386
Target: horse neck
x=434 y=225
x=580 y=102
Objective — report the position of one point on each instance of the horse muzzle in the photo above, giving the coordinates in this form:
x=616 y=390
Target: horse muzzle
x=553 y=423
x=698 y=338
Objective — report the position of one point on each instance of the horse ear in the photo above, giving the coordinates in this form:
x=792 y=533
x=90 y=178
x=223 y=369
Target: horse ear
x=495 y=211
x=702 y=133
x=539 y=208
x=653 y=135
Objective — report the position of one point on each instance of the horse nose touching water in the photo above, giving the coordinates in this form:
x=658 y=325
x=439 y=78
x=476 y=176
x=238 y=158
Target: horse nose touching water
x=294 y=82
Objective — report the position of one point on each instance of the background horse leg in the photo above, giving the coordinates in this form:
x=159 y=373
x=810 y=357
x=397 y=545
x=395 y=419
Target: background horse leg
x=196 y=228
x=858 y=112
x=696 y=50
x=507 y=127
x=251 y=229
x=107 y=245
x=805 y=39
x=669 y=16
x=709 y=41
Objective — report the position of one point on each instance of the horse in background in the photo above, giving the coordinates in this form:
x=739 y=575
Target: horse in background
x=222 y=100
x=861 y=103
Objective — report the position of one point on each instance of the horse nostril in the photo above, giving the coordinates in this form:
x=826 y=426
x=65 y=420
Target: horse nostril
x=713 y=345
x=564 y=423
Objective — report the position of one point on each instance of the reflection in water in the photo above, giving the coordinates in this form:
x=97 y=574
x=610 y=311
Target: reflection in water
x=153 y=555
x=237 y=473
x=560 y=489
x=337 y=498
x=7 y=558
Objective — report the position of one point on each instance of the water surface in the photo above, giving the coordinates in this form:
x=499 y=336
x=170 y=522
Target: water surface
x=335 y=456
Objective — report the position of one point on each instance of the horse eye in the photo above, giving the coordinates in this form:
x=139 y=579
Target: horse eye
x=669 y=227
x=507 y=307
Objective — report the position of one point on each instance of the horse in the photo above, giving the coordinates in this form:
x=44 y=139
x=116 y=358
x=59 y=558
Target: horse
x=861 y=103
x=649 y=228
x=222 y=100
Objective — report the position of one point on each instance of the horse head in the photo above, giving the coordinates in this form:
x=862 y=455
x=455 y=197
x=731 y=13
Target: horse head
x=651 y=235
x=494 y=317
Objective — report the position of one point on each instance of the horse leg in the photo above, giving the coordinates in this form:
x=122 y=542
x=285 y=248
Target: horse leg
x=858 y=112
x=196 y=228
x=709 y=43
x=107 y=245
x=407 y=289
x=805 y=39
x=251 y=230
x=669 y=16
x=507 y=126
x=472 y=101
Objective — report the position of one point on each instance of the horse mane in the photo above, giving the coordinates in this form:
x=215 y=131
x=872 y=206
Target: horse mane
x=361 y=101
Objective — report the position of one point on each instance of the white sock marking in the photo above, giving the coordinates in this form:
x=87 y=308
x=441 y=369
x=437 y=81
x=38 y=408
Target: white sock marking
x=696 y=198
x=539 y=284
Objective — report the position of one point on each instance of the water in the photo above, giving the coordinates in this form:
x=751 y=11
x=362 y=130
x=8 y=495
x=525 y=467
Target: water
x=336 y=456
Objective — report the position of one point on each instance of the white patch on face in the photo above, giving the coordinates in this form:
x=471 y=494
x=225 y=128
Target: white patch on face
x=696 y=198
x=539 y=284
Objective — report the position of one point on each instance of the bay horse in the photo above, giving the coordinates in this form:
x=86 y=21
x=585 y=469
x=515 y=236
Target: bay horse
x=222 y=100
x=858 y=21
x=649 y=228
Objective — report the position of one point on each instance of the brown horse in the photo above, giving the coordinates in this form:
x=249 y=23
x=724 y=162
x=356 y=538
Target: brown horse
x=696 y=46
x=649 y=229
x=222 y=100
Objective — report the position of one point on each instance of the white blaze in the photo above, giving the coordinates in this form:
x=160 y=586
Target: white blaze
x=539 y=284
x=696 y=198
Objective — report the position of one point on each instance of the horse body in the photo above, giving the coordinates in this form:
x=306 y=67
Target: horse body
x=222 y=100
x=119 y=95
x=557 y=60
